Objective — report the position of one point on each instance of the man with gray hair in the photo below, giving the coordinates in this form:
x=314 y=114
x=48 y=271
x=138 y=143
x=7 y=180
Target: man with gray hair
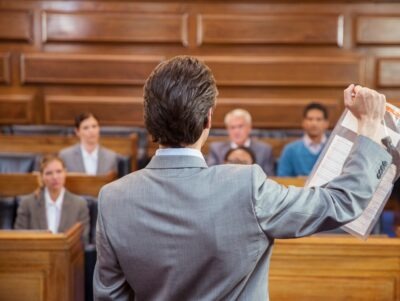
x=238 y=125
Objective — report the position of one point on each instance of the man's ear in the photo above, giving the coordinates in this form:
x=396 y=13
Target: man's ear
x=207 y=120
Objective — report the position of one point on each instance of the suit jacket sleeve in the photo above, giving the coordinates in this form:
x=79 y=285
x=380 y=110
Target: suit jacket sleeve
x=109 y=281
x=23 y=215
x=295 y=212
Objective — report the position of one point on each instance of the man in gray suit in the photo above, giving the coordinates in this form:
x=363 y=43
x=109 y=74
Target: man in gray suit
x=180 y=230
x=89 y=156
x=238 y=125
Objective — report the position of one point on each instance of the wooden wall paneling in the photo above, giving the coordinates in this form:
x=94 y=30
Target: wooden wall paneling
x=16 y=109
x=388 y=72
x=378 y=30
x=86 y=68
x=300 y=29
x=5 y=68
x=16 y=26
x=115 y=27
x=286 y=70
x=62 y=109
x=274 y=113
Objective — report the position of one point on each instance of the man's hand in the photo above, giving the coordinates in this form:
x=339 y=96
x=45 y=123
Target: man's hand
x=368 y=106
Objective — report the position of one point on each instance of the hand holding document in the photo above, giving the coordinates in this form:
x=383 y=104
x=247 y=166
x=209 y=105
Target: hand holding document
x=381 y=125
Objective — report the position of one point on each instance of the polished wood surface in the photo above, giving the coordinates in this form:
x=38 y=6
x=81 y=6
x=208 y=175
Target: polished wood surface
x=335 y=268
x=37 y=265
x=271 y=56
x=80 y=184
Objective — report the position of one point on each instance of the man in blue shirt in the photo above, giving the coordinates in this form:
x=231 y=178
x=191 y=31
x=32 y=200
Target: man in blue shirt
x=299 y=157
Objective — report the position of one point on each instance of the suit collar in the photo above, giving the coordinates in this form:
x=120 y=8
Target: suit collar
x=42 y=210
x=168 y=162
x=65 y=211
x=79 y=157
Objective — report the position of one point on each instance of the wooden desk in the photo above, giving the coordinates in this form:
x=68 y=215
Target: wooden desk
x=37 y=265
x=335 y=268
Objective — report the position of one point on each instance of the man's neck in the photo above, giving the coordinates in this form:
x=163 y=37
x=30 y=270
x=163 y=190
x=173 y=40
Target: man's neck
x=316 y=139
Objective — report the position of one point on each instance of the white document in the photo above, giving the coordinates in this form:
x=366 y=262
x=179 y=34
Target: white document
x=331 y=165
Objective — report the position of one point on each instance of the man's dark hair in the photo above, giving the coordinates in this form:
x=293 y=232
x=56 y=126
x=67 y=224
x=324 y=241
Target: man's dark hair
x=177 y=97
x=243 y=148
x=316 y=106
x=83 y=116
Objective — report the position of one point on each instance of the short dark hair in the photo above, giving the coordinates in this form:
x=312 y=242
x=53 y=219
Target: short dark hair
x=316 y=106
x=243 y=148
x=177 y=98
x=83 y=116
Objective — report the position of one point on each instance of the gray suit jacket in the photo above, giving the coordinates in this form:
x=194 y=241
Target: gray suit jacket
x=73 y=159
x=32 y=213
x=179 y=230
x=261 y=150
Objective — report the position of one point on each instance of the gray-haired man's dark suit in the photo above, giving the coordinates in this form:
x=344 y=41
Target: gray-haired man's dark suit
x=179 y=230
x=261 y=150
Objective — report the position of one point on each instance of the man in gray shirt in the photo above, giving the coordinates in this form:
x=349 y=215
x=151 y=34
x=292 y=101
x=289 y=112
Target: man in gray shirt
x=180 y=230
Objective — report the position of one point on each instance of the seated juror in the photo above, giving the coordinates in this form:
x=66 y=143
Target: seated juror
x=89 y=156
x=238 y=125
x=52 y=206
x=298 y=157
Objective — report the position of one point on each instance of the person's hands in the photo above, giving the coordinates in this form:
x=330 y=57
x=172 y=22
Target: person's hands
x=368 y=106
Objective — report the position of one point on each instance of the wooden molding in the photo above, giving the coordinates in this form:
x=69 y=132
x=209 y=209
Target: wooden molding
x=80 y=69
x=114 y=27
x=285 y=29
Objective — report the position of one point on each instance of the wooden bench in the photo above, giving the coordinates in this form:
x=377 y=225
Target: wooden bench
x=81 y=184
x=53 y=144
x=38 y=265
x=334 y=268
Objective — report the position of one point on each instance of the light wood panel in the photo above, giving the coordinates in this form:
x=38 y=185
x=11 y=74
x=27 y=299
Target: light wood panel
x=388 y=72
x=80 y=184
x=62 y=109
x=274 y=113
x=335 y=268
x=270 y=29
x=16 y=25
x=4 y=68
x=44 y=265
x=315 y=71
x=115 y=27
x=87 y=69
x=16 y=109
x=378 y=30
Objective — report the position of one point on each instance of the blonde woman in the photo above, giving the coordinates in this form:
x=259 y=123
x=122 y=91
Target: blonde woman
x=52 y=207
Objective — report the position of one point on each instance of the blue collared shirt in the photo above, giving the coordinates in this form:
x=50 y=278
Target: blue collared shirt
x=181 y=151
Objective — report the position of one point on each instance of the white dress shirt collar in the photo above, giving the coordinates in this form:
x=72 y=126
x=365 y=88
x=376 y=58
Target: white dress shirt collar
x=181 y=151
x=53 y=210
x=313 y=147
x=245 y=144
x=90 y=160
